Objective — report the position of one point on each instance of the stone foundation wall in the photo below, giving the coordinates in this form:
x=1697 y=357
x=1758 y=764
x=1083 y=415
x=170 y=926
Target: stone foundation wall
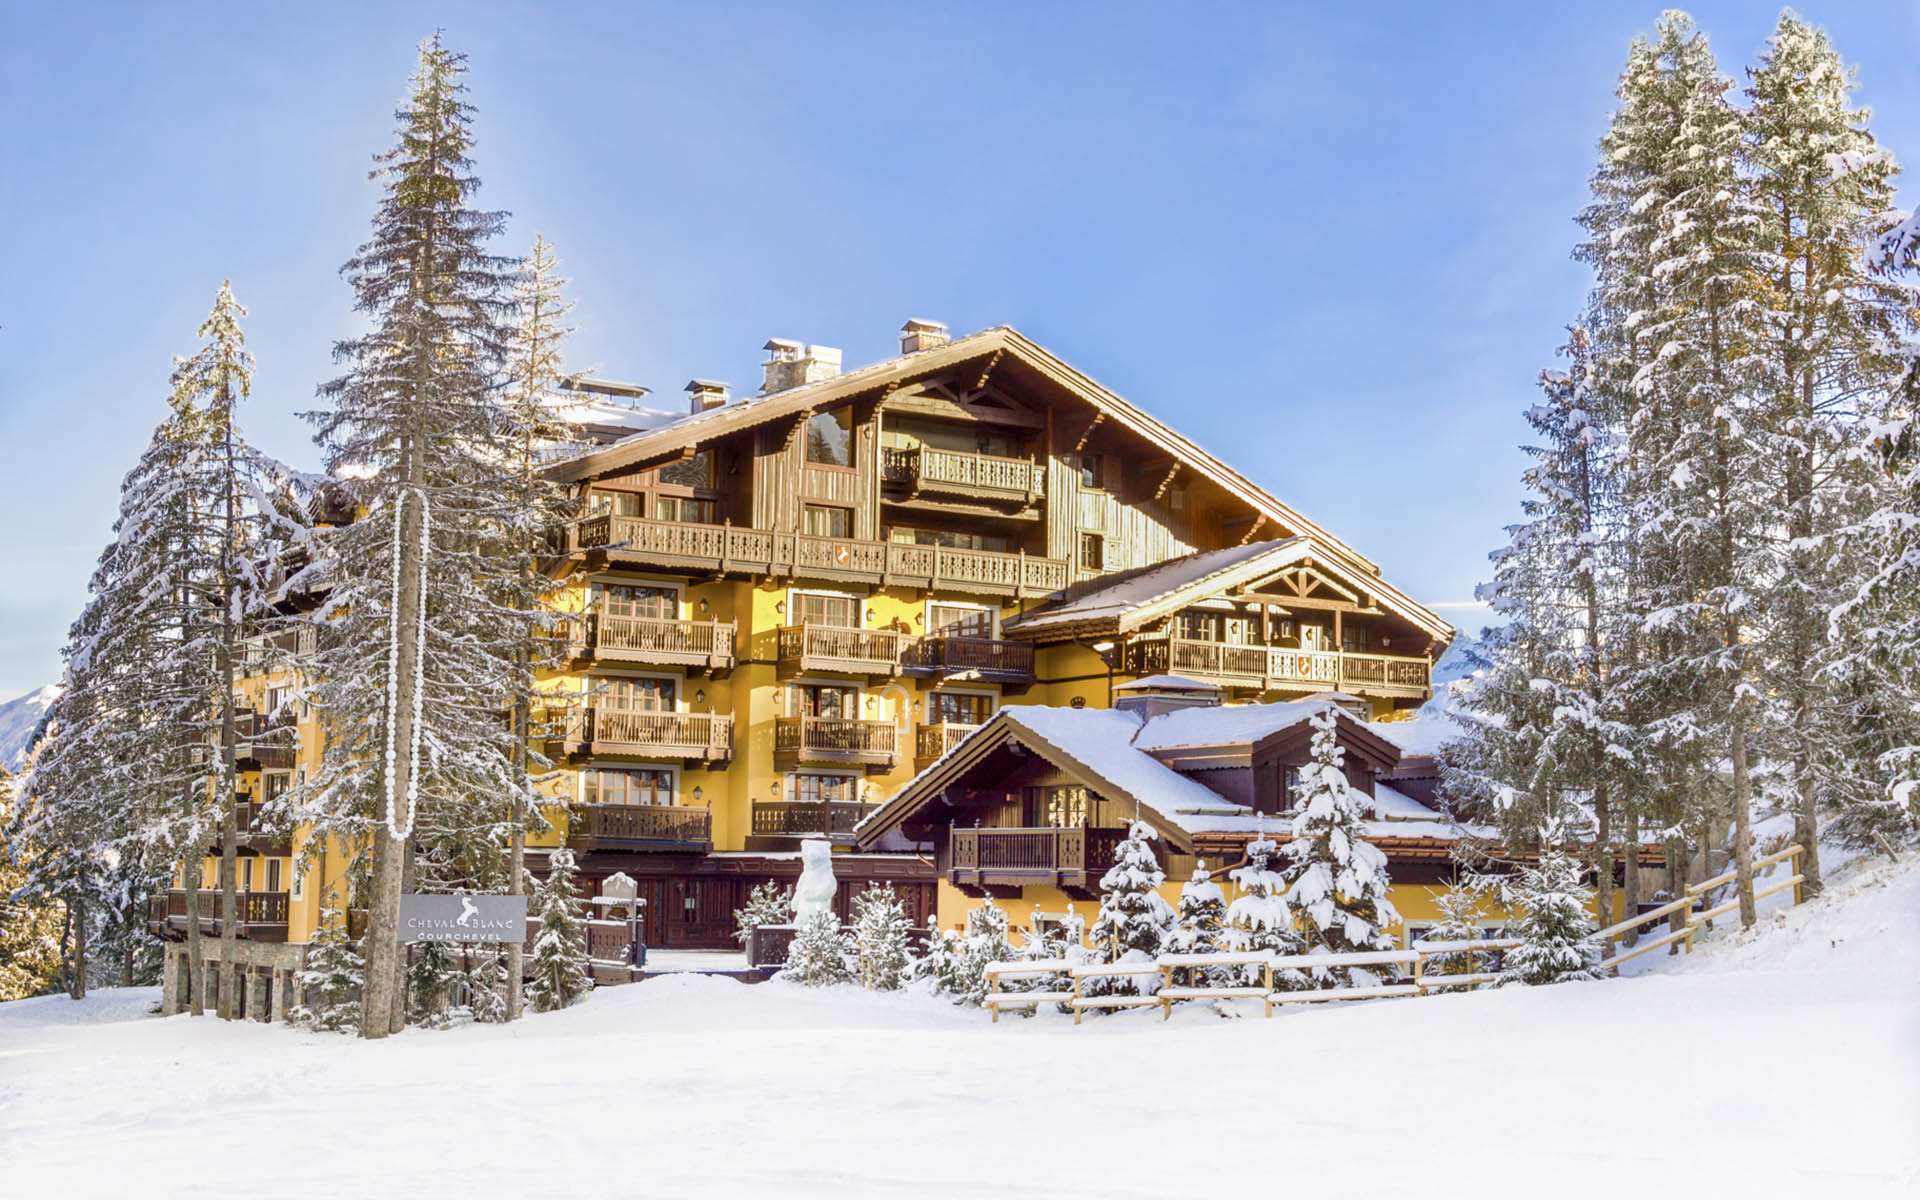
x=264 y=973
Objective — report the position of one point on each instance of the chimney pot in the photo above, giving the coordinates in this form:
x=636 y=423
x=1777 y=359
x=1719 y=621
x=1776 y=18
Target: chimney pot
x=704 y=395
x=919 y=334
x=791 y=364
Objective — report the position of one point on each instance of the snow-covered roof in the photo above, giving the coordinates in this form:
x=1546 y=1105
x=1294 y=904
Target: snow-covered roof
x=1123 y=592
x=1168 y=683
x=1226 y=724
x=1422 y=736
x=1102 y=740
x=1391 y=804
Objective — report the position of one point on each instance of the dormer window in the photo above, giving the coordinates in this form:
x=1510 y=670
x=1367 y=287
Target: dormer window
x=830 y=437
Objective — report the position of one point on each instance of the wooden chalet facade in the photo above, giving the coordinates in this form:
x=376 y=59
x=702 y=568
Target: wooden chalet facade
x=786 y=605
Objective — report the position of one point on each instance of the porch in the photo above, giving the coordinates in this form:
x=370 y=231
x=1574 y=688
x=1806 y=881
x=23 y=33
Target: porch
x=1265 y=668
x=835 y=741
x=875 y=653
x=258 y=916
x=656 y=827
x=702 y=737
x=701 y=646
x=985 y=659
x=959 y=473
x=1072 y=858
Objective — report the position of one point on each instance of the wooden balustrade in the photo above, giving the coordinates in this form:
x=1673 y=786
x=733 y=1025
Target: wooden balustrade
x=1073 y=857
x=836 y=739
x=258 y=916
x=960 y=472
x=758 y=553
x=799 y=818
x=873 y=652
x=705 y=644
x=936 y=739
x=986 y=658
x=704 y=736
x=642 y=827
x=1266 y=667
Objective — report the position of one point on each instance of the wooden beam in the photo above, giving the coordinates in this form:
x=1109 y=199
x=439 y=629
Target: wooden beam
x=1167 y=482
x=1254 y=527
x=992 y=361
x=1081 y=443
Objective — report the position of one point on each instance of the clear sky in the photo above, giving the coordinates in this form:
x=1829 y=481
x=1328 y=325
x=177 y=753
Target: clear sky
x=1332 y=246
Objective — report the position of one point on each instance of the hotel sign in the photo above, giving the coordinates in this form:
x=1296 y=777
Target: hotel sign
x=463 y=918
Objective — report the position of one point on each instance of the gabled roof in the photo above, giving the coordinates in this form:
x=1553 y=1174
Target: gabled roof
x=1134 y=599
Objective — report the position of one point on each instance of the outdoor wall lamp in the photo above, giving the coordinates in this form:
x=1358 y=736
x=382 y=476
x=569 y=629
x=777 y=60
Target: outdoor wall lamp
x=700 y=696
x=698 y=793
x=780 y=606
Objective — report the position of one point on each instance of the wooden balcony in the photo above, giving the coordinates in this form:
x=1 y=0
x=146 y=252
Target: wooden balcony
x=832 y=819
x=973 y=658
x=957 y=473
x=760 y=553
x=836 y=741
x=697 y=645
x=253 y=835
x=875 y=653
x=935 y=740
x=258 y=916
x=704 y=737
x=1073 y=859
x=1267 y=667
x=641 y=827
x=261 y=741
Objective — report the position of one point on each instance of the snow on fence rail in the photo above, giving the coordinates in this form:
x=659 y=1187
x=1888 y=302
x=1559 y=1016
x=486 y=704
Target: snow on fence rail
x=1069 y=978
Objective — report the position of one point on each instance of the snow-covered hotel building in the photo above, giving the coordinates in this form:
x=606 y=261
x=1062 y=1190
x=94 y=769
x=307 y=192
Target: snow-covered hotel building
x=790 y=604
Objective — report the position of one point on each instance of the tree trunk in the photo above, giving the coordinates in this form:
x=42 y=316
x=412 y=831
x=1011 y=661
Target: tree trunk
x=196 y=960
x=229 y=898
x=79 y=991
x=1630 y=881
x=1602 y=857
x=1742 y=819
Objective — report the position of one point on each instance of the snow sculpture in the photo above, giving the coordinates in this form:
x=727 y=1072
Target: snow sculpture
x=814 y=893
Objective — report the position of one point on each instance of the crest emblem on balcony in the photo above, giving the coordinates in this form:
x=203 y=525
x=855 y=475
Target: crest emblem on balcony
x=843 y=554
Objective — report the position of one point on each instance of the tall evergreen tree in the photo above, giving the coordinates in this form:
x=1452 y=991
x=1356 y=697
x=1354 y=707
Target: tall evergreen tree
x=559 y=969
x=1556 y=923
x=1336 y=879
x=416 y=687
x=1823 y=184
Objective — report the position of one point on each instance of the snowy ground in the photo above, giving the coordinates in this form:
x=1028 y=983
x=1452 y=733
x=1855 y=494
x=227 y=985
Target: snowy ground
x=1675 y=1083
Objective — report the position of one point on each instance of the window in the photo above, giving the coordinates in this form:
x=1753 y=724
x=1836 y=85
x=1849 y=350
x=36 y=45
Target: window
x=825 y=700
x=1088 y=467
x=1058 y=807
x=824 y=520
x=693 y=472
x=1353 y=639
x=1093 y=552
x=818 y=608
x=689 y=510
x=620 y=504
x=955 y=620
x=639 y=600
x=808 y=788
x=995 y=542
x=636 y=695
x=273 y=874
x=830 y=437
x=959 y=708
x=273 y=785
x=630 y=785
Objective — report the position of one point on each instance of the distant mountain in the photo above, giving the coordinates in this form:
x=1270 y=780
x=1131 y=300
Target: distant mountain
x=19 y=717
x=1456 y=664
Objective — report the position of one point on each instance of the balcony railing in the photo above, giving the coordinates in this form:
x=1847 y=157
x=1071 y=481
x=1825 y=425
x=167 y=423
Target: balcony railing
x=705 y=736
x=253 y=834
x=642 y=827
x=759 y=552
x=936 y=739
x=800 y=819
x=982 y=657
x=837 y=740
x=957 y=472
x=267 y=739
x=258 y=916
x=708 y=645
x=1073 y=857
x=1270 y=666
x=873 y=652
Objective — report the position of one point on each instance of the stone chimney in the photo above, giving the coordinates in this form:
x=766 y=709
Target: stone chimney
x=705 y=394
x=790 y=364
x=917 y=334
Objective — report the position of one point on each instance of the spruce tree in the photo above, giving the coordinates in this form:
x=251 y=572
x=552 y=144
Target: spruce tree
x=879 y=939
x=1134 y=921
x=1202 y=923
x=487 y=987
x=985 y=941
x=431 y=976
x=332 y=976
x=1336 y=879
x=558 y=974
x=767 y=904
x=1823 y=184
x=29 y=926
x=1459 y=922
x=1259 y=919
x=818 y=955
x=416 y=686
x=1556 y=922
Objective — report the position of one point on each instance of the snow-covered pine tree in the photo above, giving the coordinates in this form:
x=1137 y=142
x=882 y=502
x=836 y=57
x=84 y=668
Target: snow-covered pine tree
x=818 y=954
x=1202 y=927
x=431 y=976
x=1260 y=919
x=558 y=973
x=29 y=926
x=416 y=685
x=937 y=970
x=985 y=941
x=879 y=939
x=1556 y=919
x=1459 y=921
x=1824 y=186
x=536 y=368
x=487 y=987
x=332 y=976
x=1713 y=512
x=1336 y=879
x=767 y=904
x=1134 y=921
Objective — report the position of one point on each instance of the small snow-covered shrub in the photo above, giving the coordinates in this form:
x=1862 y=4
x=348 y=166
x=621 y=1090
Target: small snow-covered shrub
x=818 y=955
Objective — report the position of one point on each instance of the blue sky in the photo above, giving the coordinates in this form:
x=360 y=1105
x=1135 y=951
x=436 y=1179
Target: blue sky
x=1331 y=246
